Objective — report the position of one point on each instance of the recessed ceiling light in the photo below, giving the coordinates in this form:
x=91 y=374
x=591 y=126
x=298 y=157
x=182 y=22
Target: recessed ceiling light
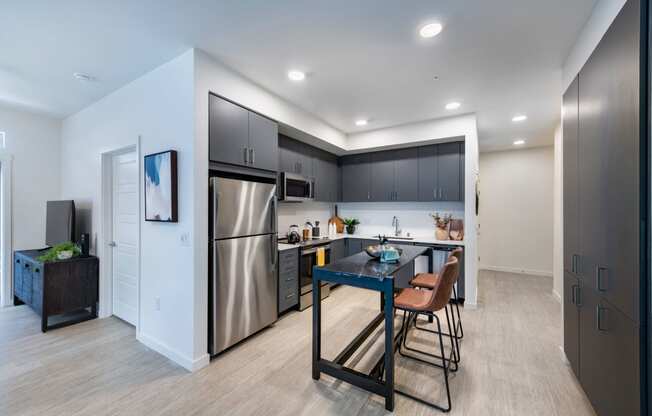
x=361 y=122
x=453 y=106
x=83 y=77
x=295 y=75
x=430 y=30
x=519 y=118
x=519 y=142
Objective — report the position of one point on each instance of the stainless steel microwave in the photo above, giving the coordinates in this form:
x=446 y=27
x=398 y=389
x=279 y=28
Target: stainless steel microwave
x=296 y=188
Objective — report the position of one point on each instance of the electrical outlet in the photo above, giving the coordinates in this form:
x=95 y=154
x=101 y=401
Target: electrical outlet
x=185 y=239
x=157 y=303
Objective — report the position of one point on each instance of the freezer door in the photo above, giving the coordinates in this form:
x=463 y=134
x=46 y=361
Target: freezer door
x=244 y=288
x=242 y=208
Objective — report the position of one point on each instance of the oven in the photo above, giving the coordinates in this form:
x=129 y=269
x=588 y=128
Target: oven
x=306 y=262
x=296 y=188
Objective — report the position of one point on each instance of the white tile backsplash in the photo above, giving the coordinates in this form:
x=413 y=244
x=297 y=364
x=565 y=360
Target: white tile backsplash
x=414 y=217
x=375 y=217
x=299 y=212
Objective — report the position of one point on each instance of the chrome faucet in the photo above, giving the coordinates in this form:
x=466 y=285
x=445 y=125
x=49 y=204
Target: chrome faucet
x=397 y=231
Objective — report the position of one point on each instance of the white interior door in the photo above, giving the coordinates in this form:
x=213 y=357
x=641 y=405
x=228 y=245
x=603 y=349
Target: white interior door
x=125 y=237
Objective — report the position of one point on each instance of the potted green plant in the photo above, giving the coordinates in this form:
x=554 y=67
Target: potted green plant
x=351 y=223
x=61 y=251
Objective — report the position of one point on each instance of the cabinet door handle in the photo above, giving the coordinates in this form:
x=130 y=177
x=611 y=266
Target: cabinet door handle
x=252 y=156
x=599 y=319
x=368 y=195
x=246 y=153
x=600 y=272
x=291 y=295
x=434 y=193
x=574 y=294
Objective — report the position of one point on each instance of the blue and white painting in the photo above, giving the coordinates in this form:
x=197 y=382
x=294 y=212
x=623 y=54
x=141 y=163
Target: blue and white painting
x=159 y=192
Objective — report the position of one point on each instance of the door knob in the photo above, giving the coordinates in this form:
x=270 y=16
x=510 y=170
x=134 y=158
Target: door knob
x=112 y=244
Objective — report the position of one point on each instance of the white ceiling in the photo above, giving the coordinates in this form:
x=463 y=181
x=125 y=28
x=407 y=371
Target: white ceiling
x=364 y=57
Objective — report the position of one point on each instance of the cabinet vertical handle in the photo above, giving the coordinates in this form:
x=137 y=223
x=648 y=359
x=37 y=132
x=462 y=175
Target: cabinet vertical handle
x=246 y=153
x=252 y=156
x=434 y=193
x=599 y=320
x=578 y=296
x=599 y=272
x=368 y=195
x=574 y=294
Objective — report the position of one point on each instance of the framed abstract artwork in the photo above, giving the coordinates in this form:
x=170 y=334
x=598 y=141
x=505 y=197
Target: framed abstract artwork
x=161 y=183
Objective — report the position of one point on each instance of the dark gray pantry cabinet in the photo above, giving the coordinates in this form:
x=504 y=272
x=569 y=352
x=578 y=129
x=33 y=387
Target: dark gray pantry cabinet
x=241 y=137
x=605 y=229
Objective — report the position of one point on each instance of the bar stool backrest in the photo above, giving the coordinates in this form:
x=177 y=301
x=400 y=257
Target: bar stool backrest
x=447 y=278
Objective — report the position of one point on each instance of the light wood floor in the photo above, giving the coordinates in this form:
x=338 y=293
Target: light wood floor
x=511 y=364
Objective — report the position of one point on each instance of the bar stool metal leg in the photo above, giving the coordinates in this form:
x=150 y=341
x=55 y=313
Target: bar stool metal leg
x=443 y=365
x=454 y=346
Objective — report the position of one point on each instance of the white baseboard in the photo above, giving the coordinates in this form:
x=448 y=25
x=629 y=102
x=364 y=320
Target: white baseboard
x=516 y=270
x=185 y=362
x=564 y=359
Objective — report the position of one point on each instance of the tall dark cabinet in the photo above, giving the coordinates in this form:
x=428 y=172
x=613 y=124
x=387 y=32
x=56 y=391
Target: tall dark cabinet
x=605 y=236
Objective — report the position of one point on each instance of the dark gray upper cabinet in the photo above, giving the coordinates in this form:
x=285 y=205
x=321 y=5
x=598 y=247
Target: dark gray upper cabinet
x=295 y=157
x=263 y=142
x=406 y=174
x=427 y=167
x=571 y=178
x=228 y=130
x=326 y=176
x=382 y=176
x=356 y=178
x=238 y=136
x=441 y=172
x=448 y=171
x=609 y=165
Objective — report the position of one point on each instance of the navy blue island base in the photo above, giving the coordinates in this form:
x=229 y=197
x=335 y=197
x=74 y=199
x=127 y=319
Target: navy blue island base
x=362 y=271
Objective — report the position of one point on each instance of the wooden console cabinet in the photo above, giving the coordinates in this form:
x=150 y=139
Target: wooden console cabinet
x=53 y=289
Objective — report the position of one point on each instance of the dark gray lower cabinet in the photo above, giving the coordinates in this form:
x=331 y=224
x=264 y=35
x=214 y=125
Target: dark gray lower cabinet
x=338 y=249
x=288 y=279
x=572 y=300
x=609 y=357
x=353 y=246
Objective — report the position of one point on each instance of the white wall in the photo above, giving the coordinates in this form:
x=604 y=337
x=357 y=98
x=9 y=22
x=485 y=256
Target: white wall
x=432 y=131
x=516 y=210
x=558 y=208
x=34 y=142
x=159 y=107
x=604 y=13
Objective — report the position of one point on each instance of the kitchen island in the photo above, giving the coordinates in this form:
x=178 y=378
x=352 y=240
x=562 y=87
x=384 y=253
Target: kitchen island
x=362 y=271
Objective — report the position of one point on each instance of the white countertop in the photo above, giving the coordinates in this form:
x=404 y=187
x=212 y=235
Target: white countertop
x=415 y=239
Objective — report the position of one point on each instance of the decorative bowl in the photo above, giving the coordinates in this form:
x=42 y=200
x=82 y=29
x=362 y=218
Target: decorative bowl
x=376 y=250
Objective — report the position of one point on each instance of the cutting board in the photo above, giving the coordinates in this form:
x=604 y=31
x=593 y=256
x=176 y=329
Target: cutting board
x=339 y=223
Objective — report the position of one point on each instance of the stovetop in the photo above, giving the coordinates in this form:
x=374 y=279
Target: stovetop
x=317 y=241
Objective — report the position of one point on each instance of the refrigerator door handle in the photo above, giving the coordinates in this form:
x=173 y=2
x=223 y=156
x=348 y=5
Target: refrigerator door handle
x=273 y=250
x=272 y=218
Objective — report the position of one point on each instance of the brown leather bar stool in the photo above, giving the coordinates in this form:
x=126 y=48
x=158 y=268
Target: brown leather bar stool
x=429 y=280
x=427 y=302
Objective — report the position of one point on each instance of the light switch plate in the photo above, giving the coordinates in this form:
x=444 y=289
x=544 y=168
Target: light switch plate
x=185 y=239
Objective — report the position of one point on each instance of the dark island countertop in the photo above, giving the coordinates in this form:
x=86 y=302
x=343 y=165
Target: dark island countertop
x=361 y=265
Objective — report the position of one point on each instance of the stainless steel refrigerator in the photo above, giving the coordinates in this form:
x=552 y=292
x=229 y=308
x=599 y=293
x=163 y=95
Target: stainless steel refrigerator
x=243 y=286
